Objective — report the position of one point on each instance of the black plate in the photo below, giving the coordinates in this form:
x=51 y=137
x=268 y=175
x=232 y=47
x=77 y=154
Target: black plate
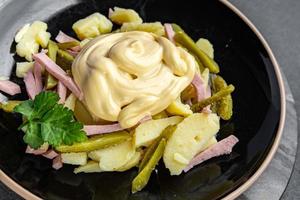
x=244 y=62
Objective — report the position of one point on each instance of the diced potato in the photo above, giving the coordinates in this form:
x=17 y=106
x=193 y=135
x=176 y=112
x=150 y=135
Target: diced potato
x=43 y=38
x=178 y=108
x=155 y=27
x=121 y=15
x=148 y=131
x=74 y=158
x=206 y=47
x=114 y=157
x=28 y=45
x=21 y=33
x=71 y=101
x=134 y=161
x=190 y=137
x=90 y=167
x=23 y=67
x=92 y=26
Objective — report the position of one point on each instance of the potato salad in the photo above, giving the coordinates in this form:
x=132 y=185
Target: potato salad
x=123 y=95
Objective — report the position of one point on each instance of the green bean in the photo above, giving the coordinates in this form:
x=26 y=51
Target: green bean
x=213 y=99
x=141 y=180
x=224 y=106
x=166 y=133
x=68 y=45
x=96 y=142
x=64 y=59
x=9 y=106
x=51 y=82
x=183 y=39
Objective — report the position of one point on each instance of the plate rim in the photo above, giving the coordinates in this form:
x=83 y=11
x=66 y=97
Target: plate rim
x=26 y=194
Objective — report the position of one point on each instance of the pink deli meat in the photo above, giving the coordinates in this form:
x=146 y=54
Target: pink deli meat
x=57 y=162
x=100 y=129
x=198 y=83
x=62 y=92
x=30 y=85
x=50 y=154
x=58 y=73
x=36 y=151
x=221 y=148
x=9 y=87
x=169 y=32
x=62 y=37
x=37 y=72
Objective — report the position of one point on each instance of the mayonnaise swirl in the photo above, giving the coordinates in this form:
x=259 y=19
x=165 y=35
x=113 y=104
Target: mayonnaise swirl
x=127 y=76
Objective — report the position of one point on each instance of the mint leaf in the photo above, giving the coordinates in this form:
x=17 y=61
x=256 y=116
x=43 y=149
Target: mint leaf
x=33 y=135
x=48 y=121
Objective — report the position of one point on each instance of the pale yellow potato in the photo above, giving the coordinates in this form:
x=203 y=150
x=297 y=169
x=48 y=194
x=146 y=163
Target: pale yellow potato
x=206 y=47
x=114 y=157
x=28 y=44
x=22 y=68
x=90 y=167
x=71 y=102
x=148 y=131
x=92 y=26
x=154 y=27
x=21 y=33
x=43 y=38
x=121 y=15
x=178 y=108
x=134 y=161
x=74 y=158
x=190 y=137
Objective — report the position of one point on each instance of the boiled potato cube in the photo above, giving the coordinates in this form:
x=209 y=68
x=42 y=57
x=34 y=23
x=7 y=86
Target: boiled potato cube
x=28 y=45
x=92 y=26
x=114 y=157
x=206 y=47
x=22 y=68
x=74 y=158
x=155 y=27
x=121 y=15
x=90 y=167
x=189 y=138
x=43 y=38
x=148 y=131
x=21 y=33
x=134 y=161
x=178 y=108
x=70 y=102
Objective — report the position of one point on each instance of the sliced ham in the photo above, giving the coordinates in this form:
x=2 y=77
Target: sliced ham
x=110 y=12
x=100 y=129
x=62 y=92
x=76 y=49
x=221 y=148
x=169 y=32
x=73 y=53
x=57 y=162
x=62 y=37
x=199 y=85
x=9 y=87
x=58 y=73
x=30 y=85
x=39 y=151
x=37 y=72
x=146 y=118
x=50 y=154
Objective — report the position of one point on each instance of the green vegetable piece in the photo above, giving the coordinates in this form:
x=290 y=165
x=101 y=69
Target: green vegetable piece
x=183 y=39
x=48 y=121
x=68 y=45
x=97 y=142
x=213 y=99
x=141 y=180
x=9 y=106
x=51 y=82
x=224 y=106
x=166 y=133
x=64 y=59
x=188 y=93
